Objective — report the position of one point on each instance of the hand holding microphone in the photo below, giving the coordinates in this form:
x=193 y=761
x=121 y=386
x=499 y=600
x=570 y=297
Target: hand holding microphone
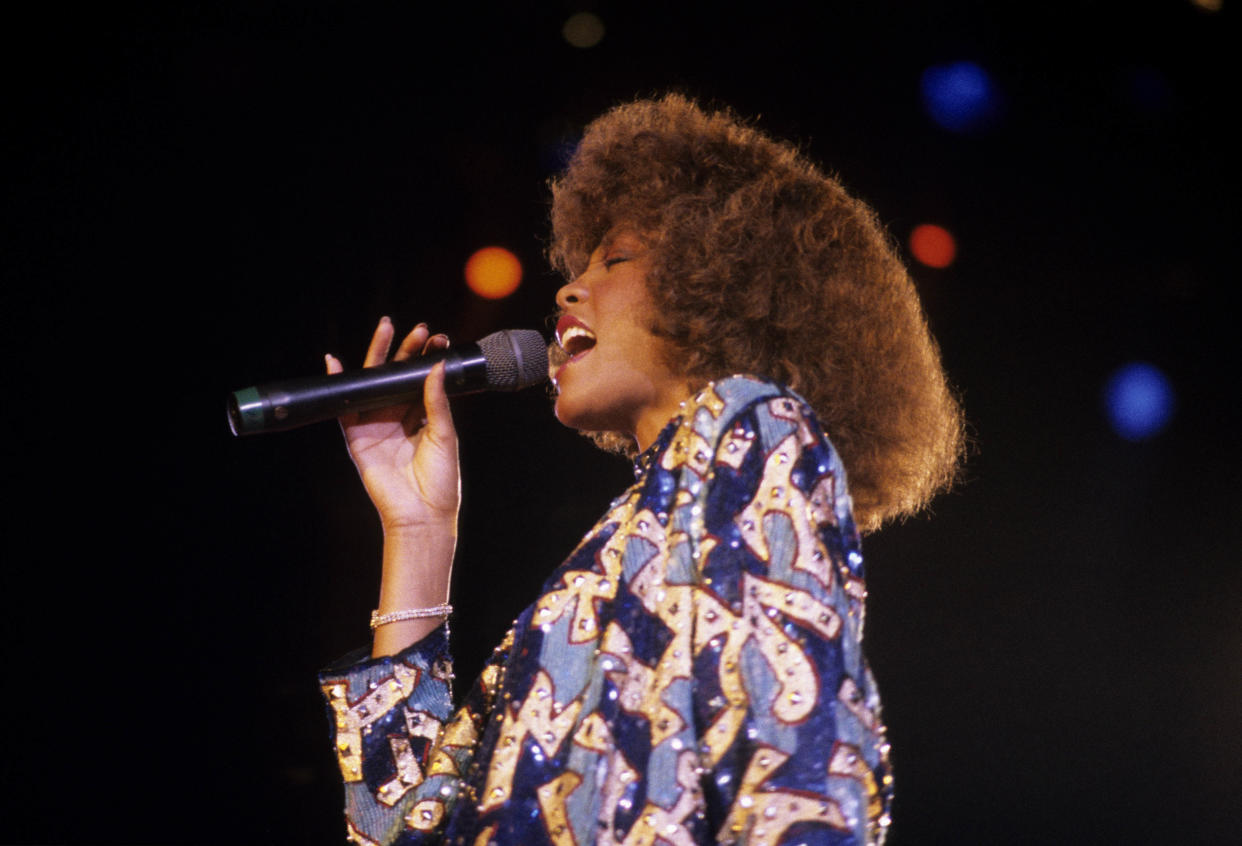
x=406 y=451
x=406 y=455
x=399 y=429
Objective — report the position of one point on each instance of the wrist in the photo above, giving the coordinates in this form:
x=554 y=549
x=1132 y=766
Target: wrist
x=422 y=529
x=417 y=571
x=418 y=563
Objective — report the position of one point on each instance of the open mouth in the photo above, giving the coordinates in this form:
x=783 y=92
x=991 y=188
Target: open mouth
x=574 y=336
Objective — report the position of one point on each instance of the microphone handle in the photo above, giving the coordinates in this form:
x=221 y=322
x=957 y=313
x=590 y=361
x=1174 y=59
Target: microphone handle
x=288 y=404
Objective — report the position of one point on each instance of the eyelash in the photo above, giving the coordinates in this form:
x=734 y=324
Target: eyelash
x=609 y=262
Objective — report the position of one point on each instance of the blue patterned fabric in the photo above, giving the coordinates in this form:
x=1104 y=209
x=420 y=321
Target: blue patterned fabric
x=692 y=673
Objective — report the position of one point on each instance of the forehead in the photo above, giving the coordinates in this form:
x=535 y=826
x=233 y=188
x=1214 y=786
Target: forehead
x=621 y=236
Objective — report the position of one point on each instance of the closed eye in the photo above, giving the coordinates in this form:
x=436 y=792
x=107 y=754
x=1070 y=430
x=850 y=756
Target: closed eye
x=609 y=262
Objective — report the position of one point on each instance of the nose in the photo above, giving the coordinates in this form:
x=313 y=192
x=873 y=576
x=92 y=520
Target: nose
x=572 y=293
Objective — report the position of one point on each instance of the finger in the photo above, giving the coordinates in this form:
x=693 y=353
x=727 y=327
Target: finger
x=413 y=341
x=333 y=365
x=436 y=404
x=377 y=352
x=436 y=342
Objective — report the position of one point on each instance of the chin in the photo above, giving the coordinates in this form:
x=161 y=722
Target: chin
x=569 y=415
x=578 y=415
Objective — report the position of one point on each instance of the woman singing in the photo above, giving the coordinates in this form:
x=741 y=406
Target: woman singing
x=693 y=671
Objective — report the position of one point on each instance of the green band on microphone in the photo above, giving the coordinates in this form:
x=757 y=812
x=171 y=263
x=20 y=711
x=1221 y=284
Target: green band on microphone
x=246 y=411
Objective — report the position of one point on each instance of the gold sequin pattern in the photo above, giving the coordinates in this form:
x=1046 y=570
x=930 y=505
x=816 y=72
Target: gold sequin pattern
x=409 y=773
x=847 y=761
x=668 y=825
x=761 y=816
x=352 y=718
x=718 y=627
x=777 y=494
x=552 y=797
x=459 y=736
x=594 y=734
x=540 y=718
x=640 y=687
x=425 y=815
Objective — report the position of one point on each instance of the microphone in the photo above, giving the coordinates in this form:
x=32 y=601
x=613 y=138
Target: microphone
x=503 y=361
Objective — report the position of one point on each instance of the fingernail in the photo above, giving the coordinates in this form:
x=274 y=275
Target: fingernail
x=385 y=319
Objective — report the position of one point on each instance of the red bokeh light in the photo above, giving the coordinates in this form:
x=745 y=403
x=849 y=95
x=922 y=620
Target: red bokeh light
x=933 y=245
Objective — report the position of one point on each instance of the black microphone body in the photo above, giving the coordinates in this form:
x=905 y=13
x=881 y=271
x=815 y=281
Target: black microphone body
x=504 y=361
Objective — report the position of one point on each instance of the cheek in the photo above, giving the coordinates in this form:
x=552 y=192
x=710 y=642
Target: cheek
x=659 y=357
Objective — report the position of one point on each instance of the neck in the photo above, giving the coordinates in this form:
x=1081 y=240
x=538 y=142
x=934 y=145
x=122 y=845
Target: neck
x=656 y=416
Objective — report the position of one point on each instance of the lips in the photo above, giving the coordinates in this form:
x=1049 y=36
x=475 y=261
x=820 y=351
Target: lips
x=574 y=336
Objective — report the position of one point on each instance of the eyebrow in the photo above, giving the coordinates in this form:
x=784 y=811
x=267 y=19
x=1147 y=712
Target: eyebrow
x=605 y=242
x=618 y=231
x=608 y=238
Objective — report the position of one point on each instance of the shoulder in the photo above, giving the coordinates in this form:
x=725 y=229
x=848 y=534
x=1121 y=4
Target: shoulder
x=728 y=418
x=744 y=439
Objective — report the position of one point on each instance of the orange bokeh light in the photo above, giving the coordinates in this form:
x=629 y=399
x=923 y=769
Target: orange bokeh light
x=493 y=273
x=933 y=245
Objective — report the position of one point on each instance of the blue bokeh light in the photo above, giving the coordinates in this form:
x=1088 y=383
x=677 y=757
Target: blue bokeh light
x=960 y=96
x=1139 y=401
x=1148 y=90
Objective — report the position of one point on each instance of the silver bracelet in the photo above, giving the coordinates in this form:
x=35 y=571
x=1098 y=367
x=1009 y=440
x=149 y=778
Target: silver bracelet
x=378 y=619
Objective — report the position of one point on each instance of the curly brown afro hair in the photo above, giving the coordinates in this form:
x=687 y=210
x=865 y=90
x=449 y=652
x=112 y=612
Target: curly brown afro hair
x=762 y=264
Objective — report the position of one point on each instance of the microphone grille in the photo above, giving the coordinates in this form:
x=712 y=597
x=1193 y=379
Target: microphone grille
x=516 y=358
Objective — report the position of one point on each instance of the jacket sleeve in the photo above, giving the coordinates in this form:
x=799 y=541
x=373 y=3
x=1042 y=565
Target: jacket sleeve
x=786 y=713
x=401 y=749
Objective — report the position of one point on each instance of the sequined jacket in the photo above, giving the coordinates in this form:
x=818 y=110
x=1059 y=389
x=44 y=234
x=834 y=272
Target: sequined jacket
x=692 y=673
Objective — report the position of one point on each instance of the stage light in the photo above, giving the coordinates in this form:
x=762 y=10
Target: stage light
x=959 y=96
x=583 y=30
x=933 y=245
x=1139 y=401
x=493 y=273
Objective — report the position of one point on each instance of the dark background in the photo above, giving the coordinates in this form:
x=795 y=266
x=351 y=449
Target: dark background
x=201 y=197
